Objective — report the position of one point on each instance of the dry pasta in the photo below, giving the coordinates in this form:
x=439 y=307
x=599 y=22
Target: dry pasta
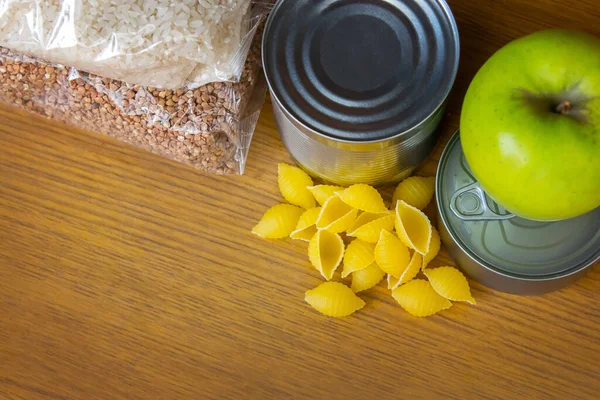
x=374 y=252
x=358 y=255
x=367 y=278
x=306 y=227
x=293 y=184
x=278 y=222
x=409 y=273
x=391 y=254
x=450 y=283
x=325 y=252
x=368 y=227
x=364 y=198
x=434 y=248
x=418 y=298
x=336 y=216
x=324 y=192
x=416 y=191
x=334 y=299
x=413 y=227
x=366 y=218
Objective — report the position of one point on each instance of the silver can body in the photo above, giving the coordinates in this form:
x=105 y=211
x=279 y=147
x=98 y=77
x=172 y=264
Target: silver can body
x=360 y=87
x=347 y=163
x=503 y=282
x=501 y=250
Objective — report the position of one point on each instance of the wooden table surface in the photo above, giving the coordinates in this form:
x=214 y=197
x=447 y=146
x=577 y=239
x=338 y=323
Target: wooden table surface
x=126 y=276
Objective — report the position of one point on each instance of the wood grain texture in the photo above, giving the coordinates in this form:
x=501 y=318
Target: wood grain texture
x=126 y=276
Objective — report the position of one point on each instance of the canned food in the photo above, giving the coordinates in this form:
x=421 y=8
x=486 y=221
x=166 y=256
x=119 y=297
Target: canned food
x=359 y=87
x=503 y=251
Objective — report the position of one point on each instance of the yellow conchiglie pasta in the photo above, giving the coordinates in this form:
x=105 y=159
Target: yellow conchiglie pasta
x=365 y=218
x=434 y=248
x=306 y=227
x=368 y=226
x=413 y=227
x=293 y=184
x=336 y=216
x=418 y=298
x=334 y=299
x=450 y=283
x=278 y=222
x=391 y=254
x=416 y=191
x=367 y=278
x=358 y=255
x=324 y=192
x=364 y=198
x=325 y=252
x=409 y=273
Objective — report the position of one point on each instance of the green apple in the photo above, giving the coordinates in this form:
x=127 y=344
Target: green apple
x=530 y=125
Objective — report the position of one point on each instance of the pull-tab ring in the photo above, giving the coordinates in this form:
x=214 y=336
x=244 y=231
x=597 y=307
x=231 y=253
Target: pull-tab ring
x=470 y=204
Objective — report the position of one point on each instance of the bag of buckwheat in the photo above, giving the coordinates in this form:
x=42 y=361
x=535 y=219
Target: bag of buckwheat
x=208 y=127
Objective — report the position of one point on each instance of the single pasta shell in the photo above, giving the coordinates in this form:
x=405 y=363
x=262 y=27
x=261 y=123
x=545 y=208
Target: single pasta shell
x=293 y=184
x=358 y=255
x=278 y=222
x=418 y=298
x=363 y=197
x=336 y=216
x=434 y=248
x=450 y=283
x=334 y=299
x=365 y=218
x=391 y=254
x=409 y=273
x=366 y=278
x=371 y=230
x=413 y=227
x=325 y=252
x=305 y=234
x=416 y=191
x=322 y=193
x=306 y=227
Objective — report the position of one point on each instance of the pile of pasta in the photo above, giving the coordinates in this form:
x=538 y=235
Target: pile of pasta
x=397 y=244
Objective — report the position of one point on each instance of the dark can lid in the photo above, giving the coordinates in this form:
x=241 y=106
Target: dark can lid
x=361 y=70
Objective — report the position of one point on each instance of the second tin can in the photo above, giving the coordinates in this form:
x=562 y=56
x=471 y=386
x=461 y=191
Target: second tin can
x=501 y=250
x=359 y=87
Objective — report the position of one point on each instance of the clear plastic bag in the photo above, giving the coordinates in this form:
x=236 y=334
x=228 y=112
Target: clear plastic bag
x=159 y=43
x=209 y=127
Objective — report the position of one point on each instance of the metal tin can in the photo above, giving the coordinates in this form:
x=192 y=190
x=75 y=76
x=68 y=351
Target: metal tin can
x=500 y=250
x=359 y=87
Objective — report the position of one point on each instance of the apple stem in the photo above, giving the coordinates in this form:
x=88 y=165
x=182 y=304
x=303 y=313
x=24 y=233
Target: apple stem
x=564 y=107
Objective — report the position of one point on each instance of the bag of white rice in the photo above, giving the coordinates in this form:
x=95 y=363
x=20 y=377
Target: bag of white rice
x=160 y=43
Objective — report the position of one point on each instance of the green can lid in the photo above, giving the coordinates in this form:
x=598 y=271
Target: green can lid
x=505 y=243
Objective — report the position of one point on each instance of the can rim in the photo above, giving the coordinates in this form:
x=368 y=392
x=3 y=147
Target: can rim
x=473 y=256
x=449 y=15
